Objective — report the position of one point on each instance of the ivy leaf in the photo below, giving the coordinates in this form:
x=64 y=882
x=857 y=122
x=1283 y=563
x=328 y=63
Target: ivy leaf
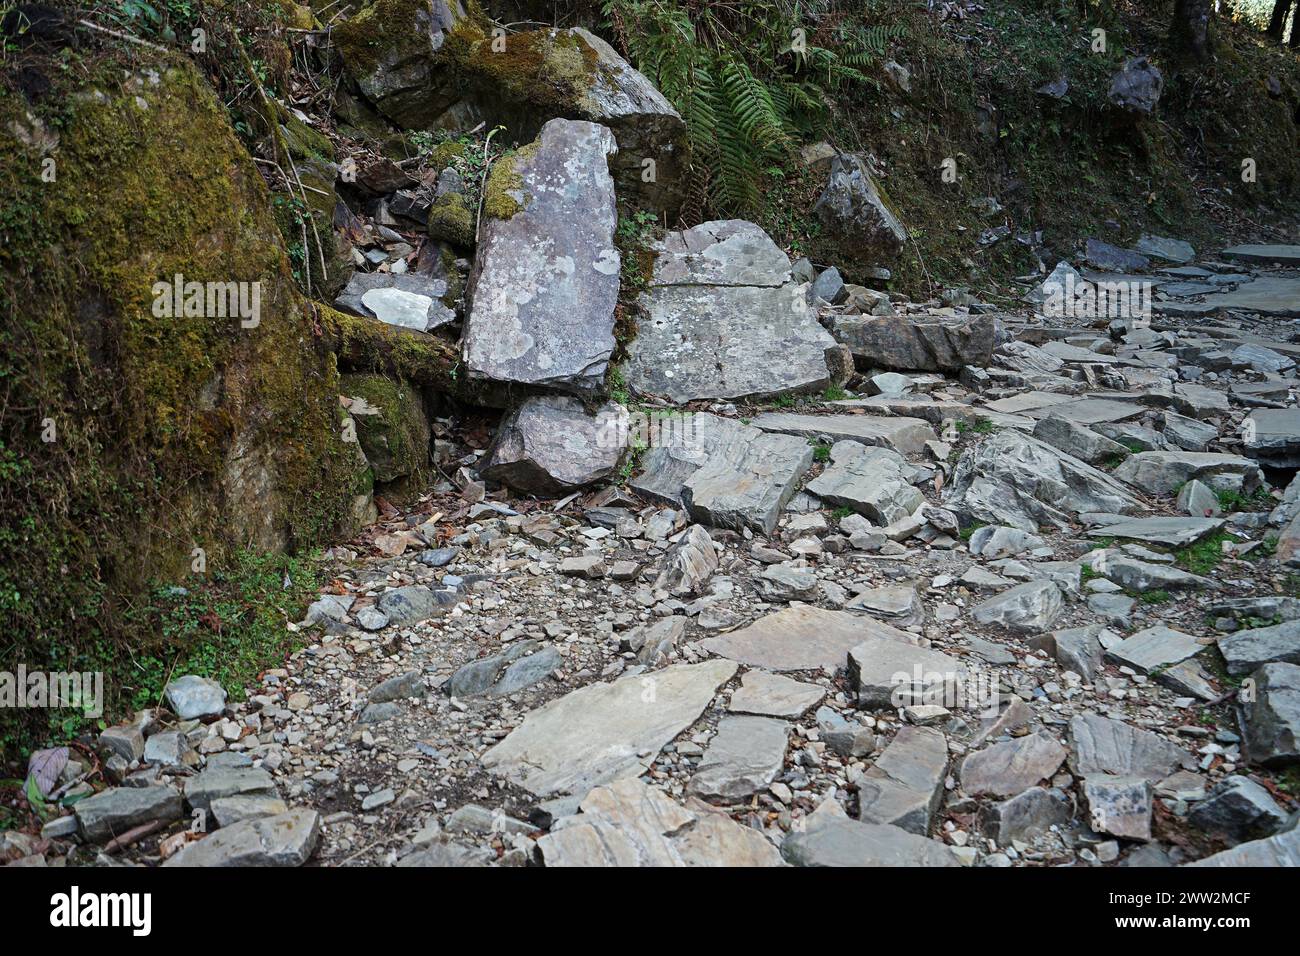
x=43 y=769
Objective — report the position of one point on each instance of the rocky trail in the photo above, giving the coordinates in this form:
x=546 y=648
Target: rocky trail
x=1030 y=601
x=651 y=537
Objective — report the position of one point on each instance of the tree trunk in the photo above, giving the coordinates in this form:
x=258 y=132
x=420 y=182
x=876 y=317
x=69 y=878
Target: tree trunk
x=1277 y=22
x=1190 y=32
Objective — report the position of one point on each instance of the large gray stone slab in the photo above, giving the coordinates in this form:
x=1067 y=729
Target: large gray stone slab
x=1011 y=767
x=1271 y=710
x=288 y=839
x=871 y=481
x=801 y=638
x=743 y=758
x=1016 y=480
x=1164 y=472
x=1174 y=532
x=1267 y=253
x=112 y=812
x=771 y=695
x=604 y=732
x=1239 y=809
x=1103 y=745
x=1268 y=295
x=1154 y=648
x=1245 y=650
x=747 y=483
x=1026 y=608
x=550 y=445
x=886 y=672
x=923 y=344
x=840 y=841
x=1120 y=806
x=1026 y=815
x=1272 y=435
x=907 y=436
x=1075 y=649
x=725 y=320
x=545 y=281
x=628 y=823
x=904 y=785
x=217 y=782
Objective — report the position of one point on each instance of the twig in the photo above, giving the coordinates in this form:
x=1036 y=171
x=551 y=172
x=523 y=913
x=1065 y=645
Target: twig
x=133 y=836
x=117 y=34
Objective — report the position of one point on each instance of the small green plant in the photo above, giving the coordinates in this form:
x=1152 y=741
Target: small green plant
x=821 y=452
x=632 y=460
x=839 y=514
x=1258 y=500
x=784 y=401
x=835 y=394
x=970 y=529
x=618 y=389
x=1155 y=597
x=1204 y=556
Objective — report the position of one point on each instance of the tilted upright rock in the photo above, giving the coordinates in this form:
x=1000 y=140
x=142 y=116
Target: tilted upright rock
x=852 y=211
x=545 y=281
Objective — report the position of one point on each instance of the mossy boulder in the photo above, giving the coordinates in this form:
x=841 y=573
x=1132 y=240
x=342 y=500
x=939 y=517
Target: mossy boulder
x=390 y=425
x=136 y=433
x=452 y=220
x=429 y=64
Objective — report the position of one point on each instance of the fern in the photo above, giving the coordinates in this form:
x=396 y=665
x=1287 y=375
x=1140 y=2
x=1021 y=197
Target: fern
x=746 y=94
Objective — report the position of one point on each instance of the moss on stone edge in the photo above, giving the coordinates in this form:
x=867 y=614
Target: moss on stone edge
x=395 y=434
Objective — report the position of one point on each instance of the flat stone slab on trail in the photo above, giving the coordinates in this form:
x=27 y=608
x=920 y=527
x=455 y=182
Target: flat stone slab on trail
x=1153 y=648
x=1264 y=252
x=907 y=436
x=604 y=732
x=1268 y=295
x=1175 y=532
x=629 y=823
x=801 y=638
x=742 y=759
x=771 y=695
x=724 y=472
x=905 y=784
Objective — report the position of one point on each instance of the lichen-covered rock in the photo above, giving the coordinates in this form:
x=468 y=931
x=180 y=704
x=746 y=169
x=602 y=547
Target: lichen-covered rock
x=726 y=320
x=550 y=446
x=390 y=425
x=546 y=278
x=855 y=216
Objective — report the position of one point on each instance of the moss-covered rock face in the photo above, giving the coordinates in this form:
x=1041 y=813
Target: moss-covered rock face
x=133 y=434
x=390 y=425
x=440 y=63
x=321 y=257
